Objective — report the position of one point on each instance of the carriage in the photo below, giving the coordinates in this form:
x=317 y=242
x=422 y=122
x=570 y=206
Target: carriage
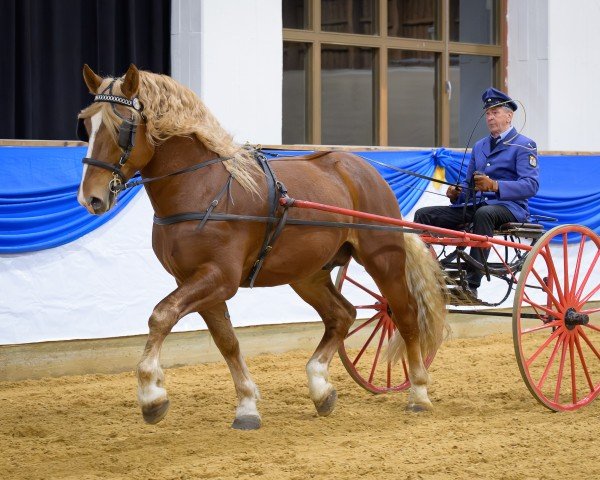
x=226 y=218
x=556 y=346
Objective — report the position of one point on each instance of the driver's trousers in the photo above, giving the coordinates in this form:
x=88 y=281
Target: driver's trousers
x=484 y=219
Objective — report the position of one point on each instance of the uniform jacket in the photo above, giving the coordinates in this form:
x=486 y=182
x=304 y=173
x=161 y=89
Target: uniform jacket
x=513 y=163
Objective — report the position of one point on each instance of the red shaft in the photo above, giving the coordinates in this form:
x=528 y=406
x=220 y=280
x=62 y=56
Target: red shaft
x=481 y=240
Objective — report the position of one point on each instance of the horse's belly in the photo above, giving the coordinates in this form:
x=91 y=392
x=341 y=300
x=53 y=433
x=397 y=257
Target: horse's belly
x=299 y=253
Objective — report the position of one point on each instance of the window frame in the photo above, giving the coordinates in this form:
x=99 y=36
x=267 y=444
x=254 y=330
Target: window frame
x=314 y=37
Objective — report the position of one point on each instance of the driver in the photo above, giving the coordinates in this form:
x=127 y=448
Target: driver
x=505 y=173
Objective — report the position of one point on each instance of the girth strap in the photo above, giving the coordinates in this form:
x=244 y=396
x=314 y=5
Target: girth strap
x=270 y=233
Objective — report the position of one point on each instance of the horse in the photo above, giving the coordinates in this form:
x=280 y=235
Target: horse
x=199 y=181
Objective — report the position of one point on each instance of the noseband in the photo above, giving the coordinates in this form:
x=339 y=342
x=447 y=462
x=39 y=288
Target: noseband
x=126 y=141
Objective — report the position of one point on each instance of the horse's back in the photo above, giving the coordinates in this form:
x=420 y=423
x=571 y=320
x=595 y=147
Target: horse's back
x=338 y=178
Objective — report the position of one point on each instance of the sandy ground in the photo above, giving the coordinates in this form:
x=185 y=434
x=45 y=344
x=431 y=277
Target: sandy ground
x=485 y=425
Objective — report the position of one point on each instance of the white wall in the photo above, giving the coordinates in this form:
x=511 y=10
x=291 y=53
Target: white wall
x=553 y=68
x=528 y=66
x=230 y=53
x=574 y=71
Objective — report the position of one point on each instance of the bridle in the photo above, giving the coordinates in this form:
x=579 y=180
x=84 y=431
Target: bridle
x=126 y=140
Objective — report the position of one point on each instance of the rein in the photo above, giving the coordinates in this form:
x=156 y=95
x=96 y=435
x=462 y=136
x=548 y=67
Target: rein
x=223 y=217
x=411 y=173
x=197 y=166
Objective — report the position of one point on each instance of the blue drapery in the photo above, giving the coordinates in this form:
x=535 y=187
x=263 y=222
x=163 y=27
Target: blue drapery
x=39 y=209
x=38 y=198
x=562 y=195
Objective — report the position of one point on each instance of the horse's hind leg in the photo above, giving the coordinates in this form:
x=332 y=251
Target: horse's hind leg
x=388 y=272
x=337 y=315
x=219 y=325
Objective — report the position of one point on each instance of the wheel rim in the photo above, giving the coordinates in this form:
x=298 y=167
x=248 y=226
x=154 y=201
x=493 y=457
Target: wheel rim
x=363 y=350
x=558 y=350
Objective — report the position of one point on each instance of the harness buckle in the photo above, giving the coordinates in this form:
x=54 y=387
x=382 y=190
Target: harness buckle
x=115 y=185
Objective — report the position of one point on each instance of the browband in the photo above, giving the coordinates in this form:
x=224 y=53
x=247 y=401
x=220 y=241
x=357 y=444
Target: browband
x=135 y=103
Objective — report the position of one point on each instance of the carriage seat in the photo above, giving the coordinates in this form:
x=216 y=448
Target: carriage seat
x=521 y=229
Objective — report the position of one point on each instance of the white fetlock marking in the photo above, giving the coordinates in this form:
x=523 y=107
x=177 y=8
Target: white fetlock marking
x=318 y=380
x=247 y=405
x=418 y=395
x=148 y=391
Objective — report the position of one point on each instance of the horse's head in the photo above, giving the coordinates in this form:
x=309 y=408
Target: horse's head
x=114 y=127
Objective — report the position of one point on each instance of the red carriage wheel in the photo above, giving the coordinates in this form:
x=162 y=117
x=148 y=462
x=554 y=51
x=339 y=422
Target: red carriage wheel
x=363 y=350
x=556 y=323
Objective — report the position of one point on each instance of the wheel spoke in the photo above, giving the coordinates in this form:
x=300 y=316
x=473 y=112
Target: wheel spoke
x=381 y=339
x=545 y=309
x=552 y=270
x=375 y=306
x=377 y=316
x=587 y=276
x=362 y=287
x=593 y=327
x=540 y=349
x=589 y=343
x=561 y=367
x=589 y=312
x=545 y=288
x=555 y=323
x=572 y=360
x=550 y=362
x=583 y=364
x=577 y=265
x=362 y=350
x=566 y=265
x=589 y=295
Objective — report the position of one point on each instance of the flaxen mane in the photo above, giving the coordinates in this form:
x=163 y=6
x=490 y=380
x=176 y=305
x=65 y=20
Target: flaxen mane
x=172 y=110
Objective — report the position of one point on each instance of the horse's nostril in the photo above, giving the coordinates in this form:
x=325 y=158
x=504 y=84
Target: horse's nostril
x=96 y=204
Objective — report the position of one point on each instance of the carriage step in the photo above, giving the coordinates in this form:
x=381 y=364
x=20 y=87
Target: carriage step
x=458 y=297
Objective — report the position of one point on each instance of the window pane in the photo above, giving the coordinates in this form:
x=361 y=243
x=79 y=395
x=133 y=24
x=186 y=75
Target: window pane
x=294 y=92
x=295 y=13
x=347 y=95
x=411 y=96
x=473 y=21
x=470 y=76
x=356 y=16
x=413 y=19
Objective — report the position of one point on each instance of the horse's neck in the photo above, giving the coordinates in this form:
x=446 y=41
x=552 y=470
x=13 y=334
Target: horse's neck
x=188 y=191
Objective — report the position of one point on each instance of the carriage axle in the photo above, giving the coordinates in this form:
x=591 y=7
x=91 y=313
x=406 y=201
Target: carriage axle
x=574 y=318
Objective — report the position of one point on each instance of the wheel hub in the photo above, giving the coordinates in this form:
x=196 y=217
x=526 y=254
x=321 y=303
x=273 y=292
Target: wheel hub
x=574 y=318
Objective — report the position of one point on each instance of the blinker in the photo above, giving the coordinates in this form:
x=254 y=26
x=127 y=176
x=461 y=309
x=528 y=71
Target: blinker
x=127 y=134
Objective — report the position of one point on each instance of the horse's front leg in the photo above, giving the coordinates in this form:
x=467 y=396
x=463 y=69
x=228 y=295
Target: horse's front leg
x=219 y=325
x=205 y=289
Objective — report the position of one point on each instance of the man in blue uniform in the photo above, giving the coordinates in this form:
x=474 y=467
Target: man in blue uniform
x=505 y=175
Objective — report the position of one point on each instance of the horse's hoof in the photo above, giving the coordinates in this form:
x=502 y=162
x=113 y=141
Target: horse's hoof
x=327 y=406
x=416 y=407
x=156 y=413
x=246 y=422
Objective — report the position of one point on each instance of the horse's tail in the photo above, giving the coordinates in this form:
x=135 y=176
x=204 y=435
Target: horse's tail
x=427 y=286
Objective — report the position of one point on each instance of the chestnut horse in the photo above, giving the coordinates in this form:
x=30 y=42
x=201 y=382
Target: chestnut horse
x=150 y=123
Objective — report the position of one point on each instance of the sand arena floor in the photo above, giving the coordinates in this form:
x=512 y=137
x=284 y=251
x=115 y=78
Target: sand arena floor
x=485 y=425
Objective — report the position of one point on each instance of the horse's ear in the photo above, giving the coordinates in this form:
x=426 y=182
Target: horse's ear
x=92 y=80
x=131 y=82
